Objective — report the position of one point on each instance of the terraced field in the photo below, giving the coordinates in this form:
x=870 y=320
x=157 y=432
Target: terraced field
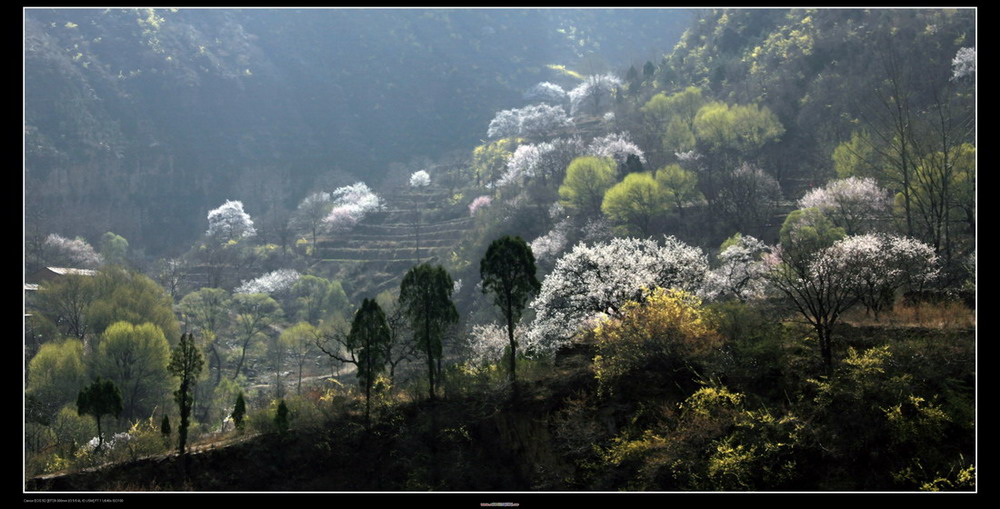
x=375 y=255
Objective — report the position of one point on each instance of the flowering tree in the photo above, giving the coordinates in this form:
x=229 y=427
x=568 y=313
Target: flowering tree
x=75 y=253
x=545 y=161
x=552 y=243
x=546 y=92
x=591 y=281
x=854 y=204
x=864 y=268
x=479 y=204
x=420 y=179
x=350 y=205
x=617 y=146
x=594 y=95
x=488 y=342
x=819 y=286
x=741 y=272
x=230 y=222
x=884 y=264
x=342 y=218
x=533 y=121
x=964 y=63
x=270 y=283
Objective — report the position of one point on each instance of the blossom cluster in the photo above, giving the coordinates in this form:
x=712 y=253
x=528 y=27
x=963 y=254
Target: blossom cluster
x=594 y=95
x=546 y=92
x=552 y=243
x=531 y=121
x=617 y=146
x=270 y=283
x=230 y=222
x=592 y=281
x=854 y=204
x=71 y=252
x=350 y=205
x=741 y=271
x=420 y=179
x=542 y=160
x=479 y=204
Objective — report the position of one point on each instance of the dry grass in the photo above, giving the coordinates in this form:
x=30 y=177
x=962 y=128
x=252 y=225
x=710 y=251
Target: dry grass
x=944 y=315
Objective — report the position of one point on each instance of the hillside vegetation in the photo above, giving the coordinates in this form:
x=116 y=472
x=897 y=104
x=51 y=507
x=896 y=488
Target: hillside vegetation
x=746 y=264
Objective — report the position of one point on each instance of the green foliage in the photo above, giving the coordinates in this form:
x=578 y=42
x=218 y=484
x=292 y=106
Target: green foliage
x=806 y=231
x=856 y=157
x=738 y=131
x=313 y=298
x=255 y=313
x=664 y=340
x=635 y=203
x=113 y=249
x=425 y=297
x=490 y=160
x=587 y=179
x=121 y=295
x=672 y=118
x=508 y=271
x=206 y=310
x=98 y=399
x=299 y=341
x=135 y=358
x=186 y=363
x=755 y=358
x=367 y=339
x=55 y=375
x=281 y=418
x=718 y=443
x=239 y=411
x=65 y=302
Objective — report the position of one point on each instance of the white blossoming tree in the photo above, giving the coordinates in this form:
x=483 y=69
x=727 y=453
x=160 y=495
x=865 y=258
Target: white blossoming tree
x=964 y=63
x=350 y=205
x=854 y=204
x=595 y=95
x=270 y=283
x=76 y=253
x=742 y=271
x=863 y=268
x=544 y=161
x=487 y=343
x=535 y=121
x=420 y=179
x=617 y=146
x=546 y=92
x=593 y=281
x=229 y=222
x=885 y=264
x=551 y=244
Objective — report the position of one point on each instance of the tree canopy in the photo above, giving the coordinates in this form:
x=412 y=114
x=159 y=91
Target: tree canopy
x=508 y=271
x=425 y=296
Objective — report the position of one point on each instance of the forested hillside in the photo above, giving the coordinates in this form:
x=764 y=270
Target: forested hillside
x=139 y=121
x=744 y=261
